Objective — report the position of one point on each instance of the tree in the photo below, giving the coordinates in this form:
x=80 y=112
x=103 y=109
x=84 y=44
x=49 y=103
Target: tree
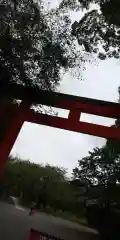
x=36 y=44
x=100 y=171
x=98 y=30
x=28 y=51
x=60 y=24
x=20 y=176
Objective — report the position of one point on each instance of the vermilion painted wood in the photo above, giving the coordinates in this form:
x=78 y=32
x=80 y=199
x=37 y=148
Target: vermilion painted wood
x=36 y=235
x=75 y=105
x=72 y=124
x=10 y=138
x=76 y=126
x=64 y=101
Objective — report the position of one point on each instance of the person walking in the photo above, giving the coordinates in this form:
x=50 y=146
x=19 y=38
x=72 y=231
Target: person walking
x=32 y=209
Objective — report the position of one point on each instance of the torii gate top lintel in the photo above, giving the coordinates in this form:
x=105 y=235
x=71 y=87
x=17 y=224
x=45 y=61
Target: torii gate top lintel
x=64 y=101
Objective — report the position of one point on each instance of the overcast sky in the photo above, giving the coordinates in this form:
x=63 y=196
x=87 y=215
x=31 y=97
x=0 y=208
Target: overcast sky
x=41 y=144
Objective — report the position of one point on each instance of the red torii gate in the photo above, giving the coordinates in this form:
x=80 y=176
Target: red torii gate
x=75 y=105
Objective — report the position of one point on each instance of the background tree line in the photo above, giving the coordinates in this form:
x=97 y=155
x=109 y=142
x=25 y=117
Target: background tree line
x=48 y=186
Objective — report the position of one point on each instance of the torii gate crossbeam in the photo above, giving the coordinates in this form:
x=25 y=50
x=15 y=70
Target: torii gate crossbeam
x=75 y=105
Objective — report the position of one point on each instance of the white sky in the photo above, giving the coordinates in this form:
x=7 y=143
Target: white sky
x=43 y=144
